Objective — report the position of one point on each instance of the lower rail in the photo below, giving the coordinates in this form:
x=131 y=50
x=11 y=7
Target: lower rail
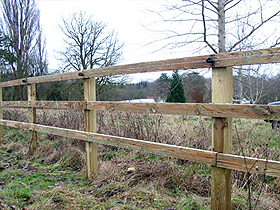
x=235 y=162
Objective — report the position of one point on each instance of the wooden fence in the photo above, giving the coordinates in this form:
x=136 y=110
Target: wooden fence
x=221 y=109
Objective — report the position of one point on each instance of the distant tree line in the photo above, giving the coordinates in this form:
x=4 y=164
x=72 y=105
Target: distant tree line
x=197 y=89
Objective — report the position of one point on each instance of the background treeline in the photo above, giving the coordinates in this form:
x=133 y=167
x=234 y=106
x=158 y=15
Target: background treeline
x=197 y=89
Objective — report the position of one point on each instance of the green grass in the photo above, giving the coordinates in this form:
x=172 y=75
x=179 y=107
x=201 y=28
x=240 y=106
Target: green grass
x=35 y=184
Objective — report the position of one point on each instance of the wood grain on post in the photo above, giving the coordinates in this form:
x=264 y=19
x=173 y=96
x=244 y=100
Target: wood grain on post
x=90 y=126
x=31 y=93
x=1 y=117
x=222 y=92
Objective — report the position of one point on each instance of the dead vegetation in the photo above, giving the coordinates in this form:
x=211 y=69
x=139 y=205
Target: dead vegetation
x=157 y=182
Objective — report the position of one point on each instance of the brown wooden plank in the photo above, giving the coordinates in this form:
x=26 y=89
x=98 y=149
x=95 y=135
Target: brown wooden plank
x=268 y=112
x=197 y=109
x=202 y=156
x=271 y=55
x=46 y=104
x=254 y=165
x=229 y=161
x=262 y=56
x=162 y=65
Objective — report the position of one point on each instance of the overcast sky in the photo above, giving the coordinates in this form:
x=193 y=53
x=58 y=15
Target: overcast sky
x=126 y=17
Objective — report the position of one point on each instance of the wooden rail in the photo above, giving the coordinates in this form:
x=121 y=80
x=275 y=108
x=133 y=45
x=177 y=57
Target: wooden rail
x=221 y=109
x=266 y=112
x=271 y=55
x=254 y=165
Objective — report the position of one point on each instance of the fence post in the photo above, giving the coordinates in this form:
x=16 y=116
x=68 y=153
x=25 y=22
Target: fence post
x=1 y=117
x=31 y=94
x=90 y=126
x=222 y=92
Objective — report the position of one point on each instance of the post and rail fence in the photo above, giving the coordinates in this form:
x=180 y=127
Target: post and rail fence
x=221 y=109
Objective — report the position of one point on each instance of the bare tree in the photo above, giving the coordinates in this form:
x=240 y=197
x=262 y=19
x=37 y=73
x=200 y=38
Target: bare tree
x=21 y=23
x=223 y=26
x=89 y=45
x=210 y=24
x=256 y=83
x=252 y=80
x=38 y=64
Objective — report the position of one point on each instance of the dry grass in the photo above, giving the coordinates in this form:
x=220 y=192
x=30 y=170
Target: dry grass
x=62 y=197
x=159 y=174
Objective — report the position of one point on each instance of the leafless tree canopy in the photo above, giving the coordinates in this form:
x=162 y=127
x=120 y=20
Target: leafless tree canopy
x=88 y=43
x=212 y=24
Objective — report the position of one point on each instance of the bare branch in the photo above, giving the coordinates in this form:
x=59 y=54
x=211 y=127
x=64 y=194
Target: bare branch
x=214 y=6
x=204 y=29
x=232 y=5
x=199 y=4
x=253 y=30
x=277 y=42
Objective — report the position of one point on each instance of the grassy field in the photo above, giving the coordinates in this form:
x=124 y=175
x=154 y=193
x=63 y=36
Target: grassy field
x=54 y=178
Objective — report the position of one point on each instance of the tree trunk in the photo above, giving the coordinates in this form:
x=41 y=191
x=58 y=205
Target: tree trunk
x=221 y=26
x=240 y=84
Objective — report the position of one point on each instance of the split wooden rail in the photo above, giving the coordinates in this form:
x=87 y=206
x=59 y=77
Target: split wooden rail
x=221 y=109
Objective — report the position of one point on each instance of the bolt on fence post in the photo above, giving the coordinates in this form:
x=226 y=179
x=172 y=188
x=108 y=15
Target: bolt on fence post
x=1 y=117
x=222 y=92
x=31 y=94
x=90 y=126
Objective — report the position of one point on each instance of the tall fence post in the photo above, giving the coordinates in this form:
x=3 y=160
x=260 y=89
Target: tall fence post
x=90 y=126
x=222 y=92
x=1 y=117
x=31 y=94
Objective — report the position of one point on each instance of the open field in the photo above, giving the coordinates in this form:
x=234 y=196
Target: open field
x=54 y=178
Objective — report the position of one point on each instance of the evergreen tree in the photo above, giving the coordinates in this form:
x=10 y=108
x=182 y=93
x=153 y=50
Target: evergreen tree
x=176 y=89
x=6 y=54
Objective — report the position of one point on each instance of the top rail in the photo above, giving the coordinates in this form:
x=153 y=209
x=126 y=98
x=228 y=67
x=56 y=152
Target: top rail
x=264 y=56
